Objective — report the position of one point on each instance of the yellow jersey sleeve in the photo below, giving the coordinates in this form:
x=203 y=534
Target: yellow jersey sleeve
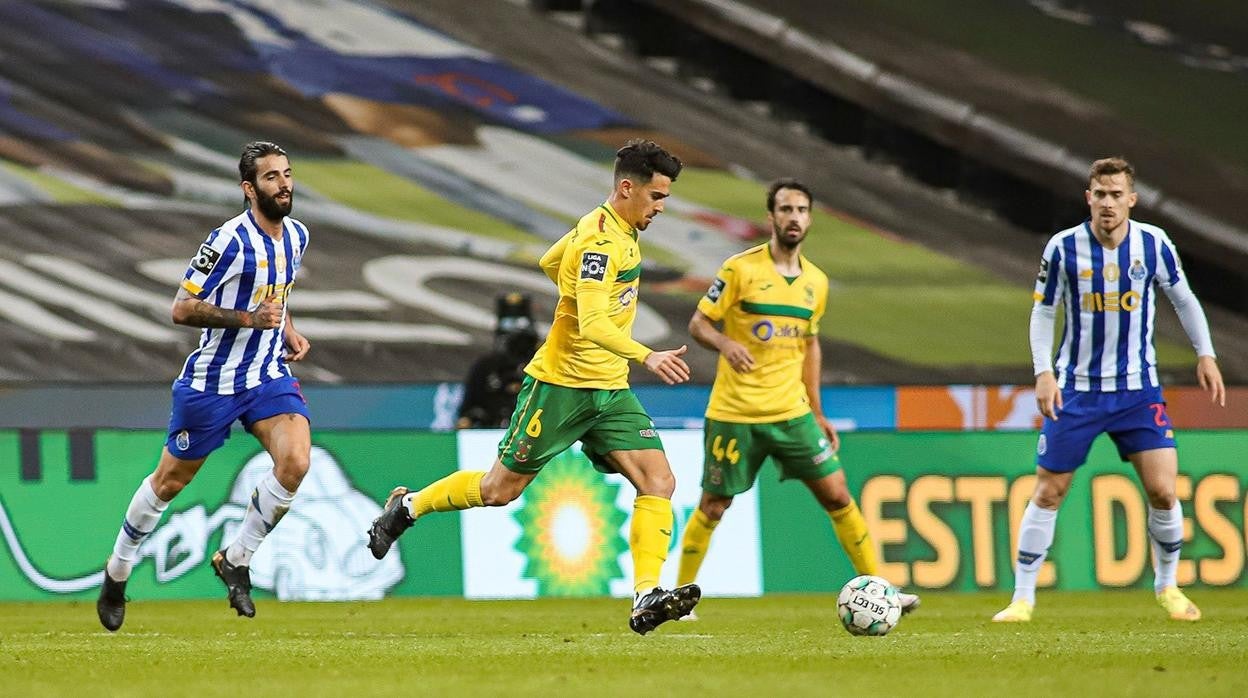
x=821 y=302
x=599 y=270
x=554 y=257
x=722 y=294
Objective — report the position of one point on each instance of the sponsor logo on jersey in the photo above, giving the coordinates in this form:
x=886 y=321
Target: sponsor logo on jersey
x=765 y=330
x=1110 y=301
x=205 y=259
x=1042 y=446
x=628 y=295
x=647 y=433
x=1043 y=275
x=593 y=266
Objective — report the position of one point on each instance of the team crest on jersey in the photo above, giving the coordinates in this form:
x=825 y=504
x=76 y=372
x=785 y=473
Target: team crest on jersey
x=810 y=294
x=1137 y=271
x=184 y=440
x=205 y=259
x=522 y=451
x=593 y=266
x=717 y=288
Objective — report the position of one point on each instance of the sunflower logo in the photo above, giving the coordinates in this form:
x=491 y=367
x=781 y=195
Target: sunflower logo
x=571 y=529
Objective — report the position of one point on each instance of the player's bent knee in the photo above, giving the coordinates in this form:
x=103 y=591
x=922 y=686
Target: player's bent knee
x=716 y=508
x=168 y=485
x=498 y=496
x=1161 y=499
x=657 y=484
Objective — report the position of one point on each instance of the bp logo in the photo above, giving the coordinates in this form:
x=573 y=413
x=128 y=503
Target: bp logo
x=571 y=529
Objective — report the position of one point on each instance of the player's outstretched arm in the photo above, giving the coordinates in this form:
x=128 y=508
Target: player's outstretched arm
x=668 y=365
x=1210 y=378
x=703 y=330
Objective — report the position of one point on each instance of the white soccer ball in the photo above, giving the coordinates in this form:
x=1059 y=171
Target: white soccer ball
x=868 y=605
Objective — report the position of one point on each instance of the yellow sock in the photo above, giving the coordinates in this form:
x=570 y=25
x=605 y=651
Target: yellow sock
x=851 y=530
x=693 y=546
x=649 y=538
x=459 y=490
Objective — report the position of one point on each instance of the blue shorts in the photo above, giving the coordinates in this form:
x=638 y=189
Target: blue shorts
x=1135 y=419
x=200 y=422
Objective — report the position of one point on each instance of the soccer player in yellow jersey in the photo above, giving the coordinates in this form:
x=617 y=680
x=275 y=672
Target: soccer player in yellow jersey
x=768 y=301
x=576 y=388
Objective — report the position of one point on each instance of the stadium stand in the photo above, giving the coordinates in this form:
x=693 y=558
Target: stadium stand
x=415 y=152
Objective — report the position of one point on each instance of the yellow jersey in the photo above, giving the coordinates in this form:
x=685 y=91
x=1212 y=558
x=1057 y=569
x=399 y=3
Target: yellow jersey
x=597 y=267
x=772 y=317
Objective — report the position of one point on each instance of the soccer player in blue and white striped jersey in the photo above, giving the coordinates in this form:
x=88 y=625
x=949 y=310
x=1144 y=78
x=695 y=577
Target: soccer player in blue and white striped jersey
x=1105 y=273
x=235 y=289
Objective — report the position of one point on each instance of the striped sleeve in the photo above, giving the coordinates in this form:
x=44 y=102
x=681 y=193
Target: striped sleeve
x=1170 y=269
x=1170 y=278
x=210 y=265
x=1050 y=280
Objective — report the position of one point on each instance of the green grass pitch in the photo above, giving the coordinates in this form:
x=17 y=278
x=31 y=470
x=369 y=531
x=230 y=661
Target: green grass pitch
x=1095 y=643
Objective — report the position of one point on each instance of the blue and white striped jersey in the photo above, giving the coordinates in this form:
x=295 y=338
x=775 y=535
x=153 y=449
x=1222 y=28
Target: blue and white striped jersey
x=237 y=267
x=1109 y=301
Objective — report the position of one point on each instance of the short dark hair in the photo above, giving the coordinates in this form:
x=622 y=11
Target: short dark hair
x=254 y=151
x=639 y=159
x=786 y=183
x=1107 y=167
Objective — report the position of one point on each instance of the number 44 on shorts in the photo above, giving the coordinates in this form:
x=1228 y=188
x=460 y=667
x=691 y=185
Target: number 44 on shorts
x=729 y=451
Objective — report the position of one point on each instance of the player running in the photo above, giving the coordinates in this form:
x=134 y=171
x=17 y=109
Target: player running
x=576 y=388
x=236 y=289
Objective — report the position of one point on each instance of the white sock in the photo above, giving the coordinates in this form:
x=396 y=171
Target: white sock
x=269 y=503
x=1035 y=535
x=141 y=518
x=1165 y=533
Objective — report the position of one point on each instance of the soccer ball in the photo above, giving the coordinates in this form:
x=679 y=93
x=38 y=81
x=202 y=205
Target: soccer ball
x=868 y=605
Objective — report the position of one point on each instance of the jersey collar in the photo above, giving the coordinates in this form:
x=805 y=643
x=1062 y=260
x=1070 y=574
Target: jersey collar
x=619 y=221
